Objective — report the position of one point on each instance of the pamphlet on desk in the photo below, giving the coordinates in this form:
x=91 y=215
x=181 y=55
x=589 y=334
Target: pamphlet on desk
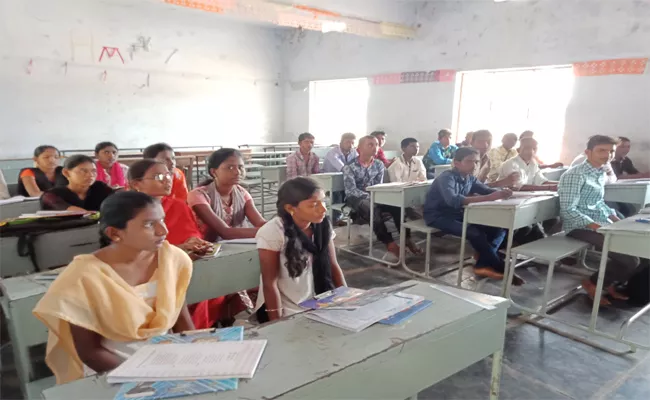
x=347 y=298
x=164 y=388
x=17 y=199
x=361 y=318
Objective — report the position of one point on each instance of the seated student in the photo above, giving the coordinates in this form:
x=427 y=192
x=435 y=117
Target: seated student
x=440 y=153
x=366 y=171
x=4 y=189
x=530 y=177
x=443 y=209
x=622 y=165
x=109 y=170
x=132 y=289
x=296 y=250
x=530 y=134
x=224 y=209
x=341 y=154
x=501 y=154
x=82 y=193
x=467 y=141
x=303 y=162
x=407 y=167
x=381 y=140
x=583 y=211
x=163 y=152
x=47 y=173
x=153 y=178
x=482 y=141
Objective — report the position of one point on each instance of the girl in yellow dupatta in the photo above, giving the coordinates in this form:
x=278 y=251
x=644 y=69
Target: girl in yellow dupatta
x=132 y=289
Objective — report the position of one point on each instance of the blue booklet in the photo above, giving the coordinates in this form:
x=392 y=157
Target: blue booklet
x=172 y=389
x=407 y=313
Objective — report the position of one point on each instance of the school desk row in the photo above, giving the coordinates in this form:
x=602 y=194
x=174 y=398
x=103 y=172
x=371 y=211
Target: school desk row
x=306 y=359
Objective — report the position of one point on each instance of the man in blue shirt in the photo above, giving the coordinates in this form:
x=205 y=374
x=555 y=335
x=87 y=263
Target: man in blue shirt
x=440 y=153
x=583 y=211
x=340 y=155
x=443 y=209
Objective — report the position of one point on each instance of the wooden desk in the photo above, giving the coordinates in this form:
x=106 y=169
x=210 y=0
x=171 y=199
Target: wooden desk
x=331 y=182
x=236 y=268
x=625 y=237
x=308 y=360
x=510 y=214
x=636 y=192
x=398 y=195
x=14 y=210
x=52 y=249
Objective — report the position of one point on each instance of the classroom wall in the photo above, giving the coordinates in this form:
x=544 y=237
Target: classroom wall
x=471 y=35
x=205 y=80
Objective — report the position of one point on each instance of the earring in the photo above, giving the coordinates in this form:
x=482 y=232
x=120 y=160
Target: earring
x=291 y=213
x=117 y=239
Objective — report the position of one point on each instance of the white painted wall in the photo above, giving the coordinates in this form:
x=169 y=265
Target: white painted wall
x=218 y=89
x=470 y=35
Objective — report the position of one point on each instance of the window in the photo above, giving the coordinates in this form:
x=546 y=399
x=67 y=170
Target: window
x=506 y=101
x=336 y=107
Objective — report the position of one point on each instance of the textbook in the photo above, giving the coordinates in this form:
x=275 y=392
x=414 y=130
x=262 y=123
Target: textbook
x=361 y=318
x=180 y=388
x=190 y=362
x=346 y=298
x=406 y=314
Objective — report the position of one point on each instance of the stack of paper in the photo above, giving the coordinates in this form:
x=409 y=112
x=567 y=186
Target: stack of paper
x=171 y=389
x=191 y=361
x=367 y=315
x=54 y=214
x=17 y=199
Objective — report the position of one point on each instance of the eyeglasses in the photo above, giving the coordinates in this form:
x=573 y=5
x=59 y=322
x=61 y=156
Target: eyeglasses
x=161 y=177
x=233 y=168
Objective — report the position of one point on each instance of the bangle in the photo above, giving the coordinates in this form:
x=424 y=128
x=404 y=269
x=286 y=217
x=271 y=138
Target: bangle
x=274 y=309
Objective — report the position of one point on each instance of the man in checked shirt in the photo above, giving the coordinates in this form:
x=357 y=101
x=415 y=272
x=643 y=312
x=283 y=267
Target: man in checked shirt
x=583 y=211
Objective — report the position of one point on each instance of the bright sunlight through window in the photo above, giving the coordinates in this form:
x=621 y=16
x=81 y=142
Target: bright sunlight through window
x=506 y=101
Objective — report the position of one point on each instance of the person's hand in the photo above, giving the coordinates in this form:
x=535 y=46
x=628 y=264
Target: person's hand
x=594 y=226
x=511 y=179
x=614 y=218
x=557 y=165
x=196 y=246
x=500 y=194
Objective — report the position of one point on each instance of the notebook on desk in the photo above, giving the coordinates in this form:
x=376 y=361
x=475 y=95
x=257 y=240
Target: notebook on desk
x=190 y=362
x=181 y=388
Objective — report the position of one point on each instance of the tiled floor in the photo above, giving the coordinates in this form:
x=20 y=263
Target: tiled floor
x=538 y=364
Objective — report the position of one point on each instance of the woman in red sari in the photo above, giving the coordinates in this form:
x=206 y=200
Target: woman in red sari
x=153 y=178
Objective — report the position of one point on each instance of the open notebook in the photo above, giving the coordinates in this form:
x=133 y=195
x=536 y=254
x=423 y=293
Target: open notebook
x=191 y=361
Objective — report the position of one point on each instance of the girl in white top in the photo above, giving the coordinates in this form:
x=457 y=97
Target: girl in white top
x=296 y=249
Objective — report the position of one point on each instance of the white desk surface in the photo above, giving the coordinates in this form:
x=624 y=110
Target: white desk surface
x=305 y=359
x=14 y=210
x=628 y=226
x=513 y=202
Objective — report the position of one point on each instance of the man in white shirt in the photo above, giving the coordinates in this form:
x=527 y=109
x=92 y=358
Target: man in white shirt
x=530 y=176
x=407 y=167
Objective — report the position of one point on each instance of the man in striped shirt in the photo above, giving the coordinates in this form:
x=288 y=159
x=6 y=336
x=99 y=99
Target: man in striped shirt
x=583 y=211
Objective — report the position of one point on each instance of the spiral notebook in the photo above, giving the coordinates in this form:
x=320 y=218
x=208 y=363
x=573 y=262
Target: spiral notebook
x=191 y=361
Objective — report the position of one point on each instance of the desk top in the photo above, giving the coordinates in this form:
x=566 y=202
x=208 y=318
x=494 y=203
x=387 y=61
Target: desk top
x=399 y=186
x=302 y=352
x=628 y=182
x=513 y=202
x=628 y=226
x=21 y=287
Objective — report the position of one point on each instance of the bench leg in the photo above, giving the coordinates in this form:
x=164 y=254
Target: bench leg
x=427 y=255
x=495 y=382
x=547 y=288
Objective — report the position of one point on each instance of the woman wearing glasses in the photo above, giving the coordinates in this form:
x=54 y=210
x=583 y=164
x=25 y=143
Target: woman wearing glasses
x=225 y=210
x=153 y=178
x=82 y=193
